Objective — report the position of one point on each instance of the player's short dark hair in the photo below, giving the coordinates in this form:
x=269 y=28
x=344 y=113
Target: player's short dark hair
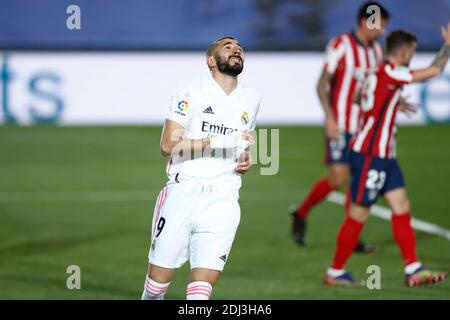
x=213 y=45
x=398 y=39
x=362 y=13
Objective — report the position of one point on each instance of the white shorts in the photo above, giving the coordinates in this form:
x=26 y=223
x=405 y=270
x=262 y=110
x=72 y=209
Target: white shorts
x=191 y=223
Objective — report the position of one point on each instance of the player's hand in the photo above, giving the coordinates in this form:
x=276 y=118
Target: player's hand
x=446 y=34
x=246 y=136
x=331 y=128
x=245 y=162
x=407 y=107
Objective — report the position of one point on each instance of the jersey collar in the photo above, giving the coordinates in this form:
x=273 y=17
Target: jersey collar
x=219 y=89
x=353 y=35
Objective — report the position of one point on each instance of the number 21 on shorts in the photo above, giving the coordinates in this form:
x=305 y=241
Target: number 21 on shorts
x=375 y=179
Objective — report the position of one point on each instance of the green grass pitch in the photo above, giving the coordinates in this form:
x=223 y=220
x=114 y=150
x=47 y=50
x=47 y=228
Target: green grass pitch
x=85 y=196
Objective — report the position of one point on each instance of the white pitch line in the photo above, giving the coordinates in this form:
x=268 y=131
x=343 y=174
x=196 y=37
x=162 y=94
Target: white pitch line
x=385 y=213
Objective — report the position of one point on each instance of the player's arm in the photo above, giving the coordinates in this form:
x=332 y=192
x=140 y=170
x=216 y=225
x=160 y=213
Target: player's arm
x=439 y=61
x=173 y=141
x=322 y=89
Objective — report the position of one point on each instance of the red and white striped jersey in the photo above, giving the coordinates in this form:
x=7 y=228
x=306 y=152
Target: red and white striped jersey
x=348 y=60
x=379 y=103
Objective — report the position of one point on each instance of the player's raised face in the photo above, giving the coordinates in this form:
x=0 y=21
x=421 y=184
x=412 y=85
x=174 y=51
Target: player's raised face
x=228 y=57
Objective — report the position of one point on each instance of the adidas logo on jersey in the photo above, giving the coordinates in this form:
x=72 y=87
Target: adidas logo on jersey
x=223 y=258
x=208 y=110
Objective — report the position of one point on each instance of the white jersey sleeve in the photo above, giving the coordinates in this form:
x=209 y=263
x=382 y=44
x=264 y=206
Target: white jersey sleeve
x=181 y=106
x=334 y=53
x=399 y=75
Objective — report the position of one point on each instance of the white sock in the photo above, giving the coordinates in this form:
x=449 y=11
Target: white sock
x=198 y=290
x=412 y=267
x=154 y=290
x=335 y=272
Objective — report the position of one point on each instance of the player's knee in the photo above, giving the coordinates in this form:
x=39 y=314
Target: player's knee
x=161 y=275
x=360 y=214
x=203 y=274
x=154 y=290
x=337 y=183
x=403 y=206
x=337 y=180
x=337 y=176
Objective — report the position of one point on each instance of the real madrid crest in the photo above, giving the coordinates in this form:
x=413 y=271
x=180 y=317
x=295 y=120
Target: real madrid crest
x=244 y=118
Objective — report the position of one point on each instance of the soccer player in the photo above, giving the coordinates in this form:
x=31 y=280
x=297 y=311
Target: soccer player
x=348 y=57
x=374 y=167
x=207 y=133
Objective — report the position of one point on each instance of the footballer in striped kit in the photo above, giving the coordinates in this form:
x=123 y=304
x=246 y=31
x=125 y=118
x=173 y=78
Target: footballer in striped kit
x=374 y=167
x=349 y=57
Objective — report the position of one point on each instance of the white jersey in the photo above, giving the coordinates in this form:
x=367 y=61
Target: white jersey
x=205 y=110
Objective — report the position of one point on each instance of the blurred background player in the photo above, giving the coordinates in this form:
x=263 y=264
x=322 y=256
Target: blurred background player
x=348 y=57
x=374 y=167
x=197 y=214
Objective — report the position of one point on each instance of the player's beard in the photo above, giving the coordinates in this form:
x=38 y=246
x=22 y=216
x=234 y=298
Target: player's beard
x=226 y=67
